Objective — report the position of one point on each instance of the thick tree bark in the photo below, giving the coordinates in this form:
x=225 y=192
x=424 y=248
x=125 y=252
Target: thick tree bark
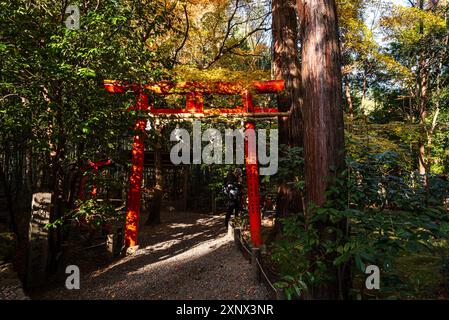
x=286 y=66
x=323 y=117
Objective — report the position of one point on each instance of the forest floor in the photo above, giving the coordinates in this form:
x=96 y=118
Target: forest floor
x=188 y=256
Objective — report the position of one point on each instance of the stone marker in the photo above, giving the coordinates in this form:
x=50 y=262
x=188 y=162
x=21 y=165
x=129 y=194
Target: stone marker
x=38 y=239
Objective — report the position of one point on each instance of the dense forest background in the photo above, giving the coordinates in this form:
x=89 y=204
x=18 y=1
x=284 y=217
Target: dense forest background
x=369 y=111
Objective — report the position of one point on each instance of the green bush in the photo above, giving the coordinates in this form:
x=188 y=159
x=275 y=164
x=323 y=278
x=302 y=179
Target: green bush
x=388 y=215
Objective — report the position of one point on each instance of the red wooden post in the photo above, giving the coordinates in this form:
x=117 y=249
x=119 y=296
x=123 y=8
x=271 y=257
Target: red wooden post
x=135 y=179
x=190 y=102
x=199 y=103
x=252 y=176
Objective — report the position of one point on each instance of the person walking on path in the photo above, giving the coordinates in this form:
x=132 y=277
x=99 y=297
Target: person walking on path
x=233 y=191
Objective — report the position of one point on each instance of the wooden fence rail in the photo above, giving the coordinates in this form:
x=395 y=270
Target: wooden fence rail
x=253 y=255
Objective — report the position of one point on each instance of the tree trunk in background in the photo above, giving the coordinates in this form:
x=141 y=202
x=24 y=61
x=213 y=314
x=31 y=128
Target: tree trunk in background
x=362 y=103
x=422 y=115
x=348 y=98
x=422 y=101
x=286 y=67
x=56 y=156
x=323 y=118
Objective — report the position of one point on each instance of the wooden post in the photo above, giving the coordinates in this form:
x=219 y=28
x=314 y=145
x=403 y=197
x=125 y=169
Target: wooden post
x=133 y=208
x=255 y=256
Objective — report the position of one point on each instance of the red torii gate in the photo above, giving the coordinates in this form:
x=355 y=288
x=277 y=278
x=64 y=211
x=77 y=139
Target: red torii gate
x=194 y=107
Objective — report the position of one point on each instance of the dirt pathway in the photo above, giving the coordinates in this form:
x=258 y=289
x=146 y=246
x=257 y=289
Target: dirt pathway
x=189 y=256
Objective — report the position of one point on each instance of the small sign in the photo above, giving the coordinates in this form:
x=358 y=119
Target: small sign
x=38 y=239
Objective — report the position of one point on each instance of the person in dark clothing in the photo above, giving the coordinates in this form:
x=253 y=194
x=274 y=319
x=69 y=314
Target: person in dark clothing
x=233 y=191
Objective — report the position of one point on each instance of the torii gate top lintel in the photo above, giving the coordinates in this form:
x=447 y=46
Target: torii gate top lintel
x=218 y=87
x=194 y=91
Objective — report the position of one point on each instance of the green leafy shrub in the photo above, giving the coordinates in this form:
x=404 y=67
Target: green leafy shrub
x=388 y=215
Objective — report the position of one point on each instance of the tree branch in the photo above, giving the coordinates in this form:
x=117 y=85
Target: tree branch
x=223 y=50
x=186 y=35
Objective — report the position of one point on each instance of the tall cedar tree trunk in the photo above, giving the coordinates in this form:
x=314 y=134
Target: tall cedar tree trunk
x=323 y=118
x=286 y=66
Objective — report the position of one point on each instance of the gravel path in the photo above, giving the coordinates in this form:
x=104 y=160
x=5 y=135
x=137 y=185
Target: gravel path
x=189 y=256
x=10 y=285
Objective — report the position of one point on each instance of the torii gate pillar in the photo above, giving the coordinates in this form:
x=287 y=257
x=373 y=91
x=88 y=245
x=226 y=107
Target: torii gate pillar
x=135 y=178
x=252 y=175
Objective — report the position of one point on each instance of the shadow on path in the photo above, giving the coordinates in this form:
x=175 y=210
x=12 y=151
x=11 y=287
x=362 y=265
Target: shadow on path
x=188 y=256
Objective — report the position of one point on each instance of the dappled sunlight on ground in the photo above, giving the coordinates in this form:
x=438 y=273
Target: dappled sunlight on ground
x=188 y=256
